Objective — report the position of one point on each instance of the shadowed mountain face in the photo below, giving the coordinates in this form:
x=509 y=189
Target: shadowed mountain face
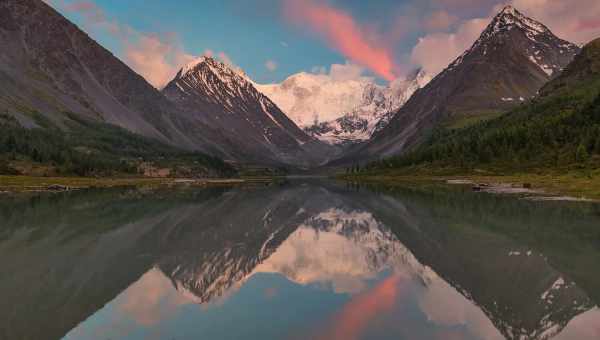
x=583 y=71
x=51 y=70
x=509 y=63
x=48 y=68
x=515 y=269
x=227 y=100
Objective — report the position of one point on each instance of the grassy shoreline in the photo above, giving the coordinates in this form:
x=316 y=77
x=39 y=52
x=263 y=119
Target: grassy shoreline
x=573 y=184
x=20 y=184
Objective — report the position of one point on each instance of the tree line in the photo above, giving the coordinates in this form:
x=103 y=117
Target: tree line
x=561 y=131
x=92 y=149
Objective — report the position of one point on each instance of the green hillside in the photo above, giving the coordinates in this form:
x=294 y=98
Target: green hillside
x=560 y=129
x=93 y=149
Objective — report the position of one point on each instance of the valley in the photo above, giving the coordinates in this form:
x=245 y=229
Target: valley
x=300 y=169
x=505 y=106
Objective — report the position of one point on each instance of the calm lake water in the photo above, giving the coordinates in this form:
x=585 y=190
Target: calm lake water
x=298 y=260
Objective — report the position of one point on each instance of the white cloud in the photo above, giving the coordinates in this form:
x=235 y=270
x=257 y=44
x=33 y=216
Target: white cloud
x=156 y=58
x=583 y=326
x=347 y=71
x=436 y=51
x=271 y=65
x=577 y=21
x=341 y=72
x=439 y=21
x=445 y=306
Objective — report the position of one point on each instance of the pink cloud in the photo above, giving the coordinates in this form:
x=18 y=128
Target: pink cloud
x=82 y=6
x=589 y=24
x=402 y=25
x=462 y=4
x=92 y=14
x=352 y=320
x=157 y=58
x=435 y=51
x=271 y=65
x=343 y=33
x=577 y=23
x=271 y=292
x=439 y=21
x=151 y=299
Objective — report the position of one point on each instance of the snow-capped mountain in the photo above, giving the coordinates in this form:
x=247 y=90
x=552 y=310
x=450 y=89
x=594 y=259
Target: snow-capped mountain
x=343 y=249
x=255 y=128
x=509 y=63
x=546 y=51
x=341 y=111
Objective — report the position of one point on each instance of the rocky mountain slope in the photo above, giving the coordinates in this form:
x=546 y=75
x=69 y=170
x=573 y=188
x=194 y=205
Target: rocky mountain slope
x=51 y=72
x=560 y=129
x=49 y=67
x=226 y=100
x=513 y=58
x=341 y=111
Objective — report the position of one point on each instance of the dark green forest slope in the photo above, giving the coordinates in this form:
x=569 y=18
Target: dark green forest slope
x=93 y=149
x=560 y=129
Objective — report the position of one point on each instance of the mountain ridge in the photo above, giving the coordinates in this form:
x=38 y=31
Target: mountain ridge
x=226 y=100
x=556 y=132
x=52 y=71
x=51 y=67
x=503 y=68
x=341 y=111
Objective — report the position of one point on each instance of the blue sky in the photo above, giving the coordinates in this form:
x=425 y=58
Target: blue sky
x=387 y=38
x=249 y=34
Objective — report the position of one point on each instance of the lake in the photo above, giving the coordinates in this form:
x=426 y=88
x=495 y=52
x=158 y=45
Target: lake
x=304 y=259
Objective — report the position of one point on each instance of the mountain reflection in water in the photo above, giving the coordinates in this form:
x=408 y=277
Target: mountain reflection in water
x=306 y=260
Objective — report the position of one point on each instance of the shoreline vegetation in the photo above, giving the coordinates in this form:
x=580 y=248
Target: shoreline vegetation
x=31 y=184
x=543 y=186
x=572 y=186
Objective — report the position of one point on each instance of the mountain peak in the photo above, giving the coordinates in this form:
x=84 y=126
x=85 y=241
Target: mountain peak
x=219 y=68
x=513 y=28
x=193 y=64
x=224 y=98
x=517 y=53
x=509 y=10
x=509 y=18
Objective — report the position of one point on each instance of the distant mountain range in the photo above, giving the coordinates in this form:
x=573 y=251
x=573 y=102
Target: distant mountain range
x=342 y=111
x=52 y=74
